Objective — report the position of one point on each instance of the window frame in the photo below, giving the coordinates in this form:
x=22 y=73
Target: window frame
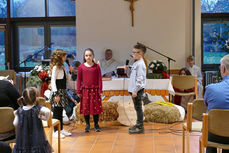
x=11 y=40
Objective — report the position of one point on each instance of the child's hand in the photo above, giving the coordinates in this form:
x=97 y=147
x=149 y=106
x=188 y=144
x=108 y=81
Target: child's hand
x=79 y=95
x=134 y=94
x=126 y=67
x=57 y=99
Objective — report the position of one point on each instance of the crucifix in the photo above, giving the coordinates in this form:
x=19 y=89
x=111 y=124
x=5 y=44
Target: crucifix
x=132 y=9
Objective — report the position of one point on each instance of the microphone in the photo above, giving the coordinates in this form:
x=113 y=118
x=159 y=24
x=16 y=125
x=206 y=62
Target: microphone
x=127 y=62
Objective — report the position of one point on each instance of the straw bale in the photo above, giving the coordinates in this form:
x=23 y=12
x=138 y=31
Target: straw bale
x=109 y=112
x=161 y=113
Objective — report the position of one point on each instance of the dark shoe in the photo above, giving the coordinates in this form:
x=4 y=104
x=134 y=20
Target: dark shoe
x=137 y=129
x=133 y=127
x=97 y=128
x=87 y=128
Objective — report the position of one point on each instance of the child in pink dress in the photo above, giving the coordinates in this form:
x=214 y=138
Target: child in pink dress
x=89 y=89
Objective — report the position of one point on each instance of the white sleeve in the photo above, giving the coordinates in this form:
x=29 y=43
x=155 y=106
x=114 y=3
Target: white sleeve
x=53 y=79
x=44 y=113
x=15 y=122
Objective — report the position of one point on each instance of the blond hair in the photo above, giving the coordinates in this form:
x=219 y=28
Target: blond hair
x=191 y=58
x=56 y=59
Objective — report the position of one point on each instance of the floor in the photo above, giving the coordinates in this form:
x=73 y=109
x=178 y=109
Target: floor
x=114 y=138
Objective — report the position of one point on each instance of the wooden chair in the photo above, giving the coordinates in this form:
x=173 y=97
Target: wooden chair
x=194 y=111
x=216 y=122
x=50 y=124
x=7 y=118
x=10 y=73
x=184 y=83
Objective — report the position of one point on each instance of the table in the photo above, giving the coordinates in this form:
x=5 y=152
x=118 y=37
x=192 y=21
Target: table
x=155 y=87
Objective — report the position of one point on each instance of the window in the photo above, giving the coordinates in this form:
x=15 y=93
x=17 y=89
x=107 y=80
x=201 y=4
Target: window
x=64 y=37
x=32 y=26
x=215 y=38
x=3 y=9
x=27 y=8
x=215 y=32
x=61 y=8
x=31 y=45
x=214 y=6
x=2 y=50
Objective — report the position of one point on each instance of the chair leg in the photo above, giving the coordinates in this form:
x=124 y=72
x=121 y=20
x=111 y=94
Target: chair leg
x=48 y=133
x=183 y=141
x=50 y=136
x=59 y=137
x=188 y=142
x=200 y=146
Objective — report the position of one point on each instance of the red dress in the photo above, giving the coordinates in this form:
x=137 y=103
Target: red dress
x=89 y=85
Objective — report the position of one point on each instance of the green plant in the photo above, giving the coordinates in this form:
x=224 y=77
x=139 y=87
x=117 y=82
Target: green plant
x=34 y=80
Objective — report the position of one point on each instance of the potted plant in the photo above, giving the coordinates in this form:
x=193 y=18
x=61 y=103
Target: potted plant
x=157 y=70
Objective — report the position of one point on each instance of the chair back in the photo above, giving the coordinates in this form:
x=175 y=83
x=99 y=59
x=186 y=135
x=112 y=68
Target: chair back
x=41 y=101
x=6 y=118
x=183 y=82
x=10 y=73
x=198 y=109
x=195 y=110
x=48 y=105
x=218 y=122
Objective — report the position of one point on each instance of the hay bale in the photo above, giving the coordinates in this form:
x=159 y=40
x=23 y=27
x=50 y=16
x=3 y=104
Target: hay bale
x=109 y=112
x=161 y=113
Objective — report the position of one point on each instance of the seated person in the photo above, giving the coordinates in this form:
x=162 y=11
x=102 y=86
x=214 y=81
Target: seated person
x=108 y=65
x=4 y=147
x=73 y=98
x=179 y=100
x=196 y=72
x=217 y=97
x=68 y=63
x=8 y=95
x=8 y=98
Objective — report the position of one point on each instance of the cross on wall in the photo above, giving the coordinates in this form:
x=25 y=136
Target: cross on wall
x=132 y=10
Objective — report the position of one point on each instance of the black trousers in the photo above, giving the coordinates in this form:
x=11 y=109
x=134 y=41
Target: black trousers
x=4 y=147
x=219 y=139
x=58 y=114
x=138 y=106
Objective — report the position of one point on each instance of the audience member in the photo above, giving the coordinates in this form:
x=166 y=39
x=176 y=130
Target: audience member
x=108 y=64
x=30 y=135
x=183 y=100
x=196 y=72
x=73 y=98
x=4 y=147
x=72 y=82
x=217 y=97
x=8 y=95
x=68 y=63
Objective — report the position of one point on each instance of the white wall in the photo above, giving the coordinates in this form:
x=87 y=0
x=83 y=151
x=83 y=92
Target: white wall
x=163 y=25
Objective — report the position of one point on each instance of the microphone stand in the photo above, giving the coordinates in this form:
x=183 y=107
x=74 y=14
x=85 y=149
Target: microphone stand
x=29 y=58
x=168 y=58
